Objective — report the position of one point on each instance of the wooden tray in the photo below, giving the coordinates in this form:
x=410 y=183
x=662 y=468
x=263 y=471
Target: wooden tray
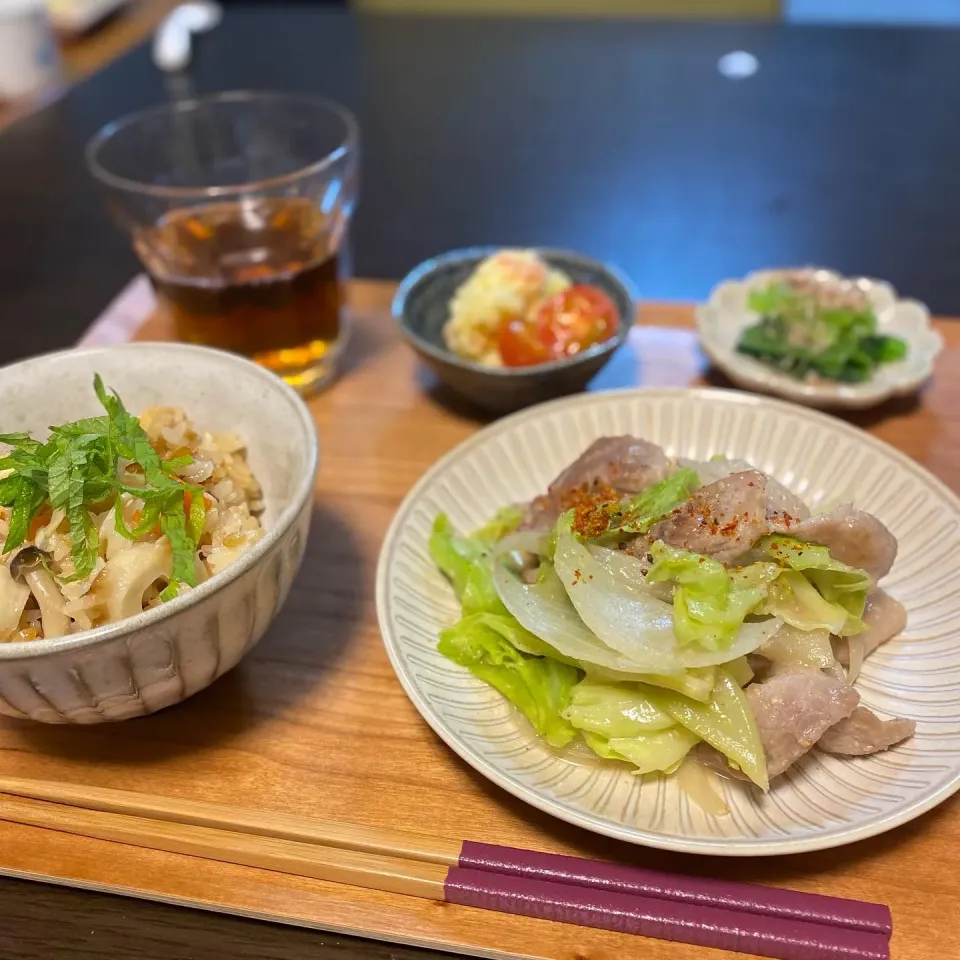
x=313 y=721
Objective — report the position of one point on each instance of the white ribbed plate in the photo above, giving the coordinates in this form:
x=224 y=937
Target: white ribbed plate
x=821 y=802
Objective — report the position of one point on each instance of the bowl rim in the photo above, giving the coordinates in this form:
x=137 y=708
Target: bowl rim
x=464 y=254
x=303 y=492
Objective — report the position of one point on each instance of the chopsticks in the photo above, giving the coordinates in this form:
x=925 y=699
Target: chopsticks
x=768 y=922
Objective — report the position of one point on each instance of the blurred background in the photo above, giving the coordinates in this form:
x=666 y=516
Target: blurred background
x=84 y=35
x=683 y=141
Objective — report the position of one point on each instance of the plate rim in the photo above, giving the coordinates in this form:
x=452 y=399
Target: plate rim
x=726 y=847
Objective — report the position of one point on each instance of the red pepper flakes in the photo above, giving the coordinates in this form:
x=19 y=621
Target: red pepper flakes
x=591 y=508
x=587 y=494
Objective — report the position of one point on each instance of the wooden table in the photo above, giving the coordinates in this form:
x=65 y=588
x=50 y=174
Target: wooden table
x=320 y=676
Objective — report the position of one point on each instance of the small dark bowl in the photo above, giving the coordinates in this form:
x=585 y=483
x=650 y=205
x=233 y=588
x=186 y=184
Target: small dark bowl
x=421 y=308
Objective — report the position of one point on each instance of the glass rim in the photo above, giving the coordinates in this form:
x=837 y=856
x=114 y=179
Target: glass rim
x=108 y=130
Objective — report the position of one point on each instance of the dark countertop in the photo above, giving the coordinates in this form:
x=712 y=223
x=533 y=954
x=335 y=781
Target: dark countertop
x=44 y=922
x=619 y=139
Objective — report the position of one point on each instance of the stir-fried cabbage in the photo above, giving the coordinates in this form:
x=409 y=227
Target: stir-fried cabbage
x=843 y=587
x=803 y=648
x=703 y=787
x=641 y=658
x=695 y=682
x=740 y=669
x=726 y=723
x=613 y=715
x=629 y=617
x=640 y=513
x=855 y=654
x=709 y=604
x=626 y=617
x=544 y=609
x=505 y=521
x=539 y=686
x=615 y=710
x=463 y=561
x=662 y=751
x=795 y=600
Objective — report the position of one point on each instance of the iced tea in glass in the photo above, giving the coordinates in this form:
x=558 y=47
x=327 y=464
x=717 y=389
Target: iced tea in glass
x=239 y=207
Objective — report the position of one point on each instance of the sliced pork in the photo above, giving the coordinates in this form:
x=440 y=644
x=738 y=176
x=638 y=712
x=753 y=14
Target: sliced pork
x=792 y=711
x=722 y=519
x=727 y=516
x=765 y=669
x=864 y=732
x=623 y=465
x=852 y=536
x=884 y=618
x=782 y=503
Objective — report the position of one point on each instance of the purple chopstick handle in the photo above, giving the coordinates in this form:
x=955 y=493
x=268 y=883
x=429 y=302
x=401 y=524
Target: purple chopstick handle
x=763 y=936
x=701 y=891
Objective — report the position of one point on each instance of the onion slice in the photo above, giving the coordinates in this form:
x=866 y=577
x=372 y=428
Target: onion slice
x=627 y=615
x=523 y=541
x=622 y=614
x=702 y=786
x=546 y=611
x=748 y=639
x=794 y=647
x=855 y=648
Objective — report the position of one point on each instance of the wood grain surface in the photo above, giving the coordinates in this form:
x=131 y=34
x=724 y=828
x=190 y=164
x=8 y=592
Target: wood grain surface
x=314 y=722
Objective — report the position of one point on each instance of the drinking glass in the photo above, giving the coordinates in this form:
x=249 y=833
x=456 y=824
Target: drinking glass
x=239 y=206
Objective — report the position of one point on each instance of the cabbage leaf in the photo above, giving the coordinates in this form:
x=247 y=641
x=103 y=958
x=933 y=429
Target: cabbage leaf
x=640 y=513
x=615 y=710
x=694 y=682
x=465 y=563
x=625 y=616
x=726 y=723
x=795 y=600
x=539 y=687
x=838 y=583
x=504 y=521
x=709 y=604
x=661 y=751
x=794 y=647
x=545 y=610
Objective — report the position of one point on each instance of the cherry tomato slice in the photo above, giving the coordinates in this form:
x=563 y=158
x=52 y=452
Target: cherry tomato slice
x=520 y=346
x=575 y=319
